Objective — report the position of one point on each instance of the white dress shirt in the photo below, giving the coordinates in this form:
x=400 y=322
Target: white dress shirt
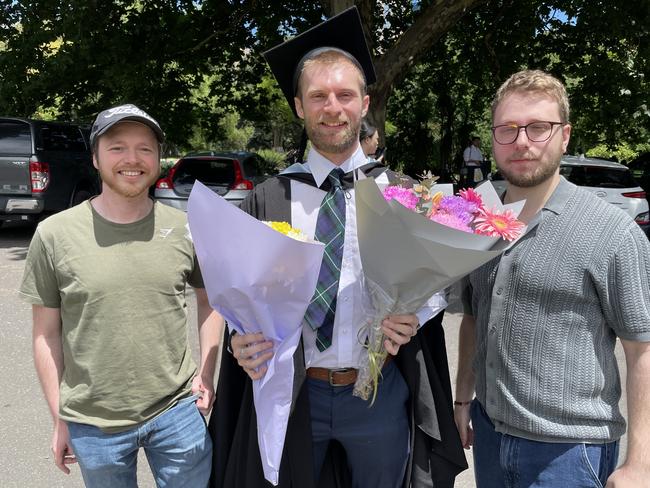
x=346 y=349
x=472 y=153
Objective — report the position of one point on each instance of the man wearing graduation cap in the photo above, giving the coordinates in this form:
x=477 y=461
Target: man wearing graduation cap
x=407 y=437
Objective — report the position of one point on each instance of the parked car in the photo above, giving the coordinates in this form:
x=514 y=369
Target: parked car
x=609 y=180
x=45 y=167
x=229 y=174
x=640 y=167
x=498 y=182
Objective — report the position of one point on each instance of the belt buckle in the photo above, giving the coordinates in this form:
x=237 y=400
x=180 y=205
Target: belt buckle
x=330 y=375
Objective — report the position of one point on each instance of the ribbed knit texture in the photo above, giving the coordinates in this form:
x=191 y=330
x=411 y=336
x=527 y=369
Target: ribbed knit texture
x=548 y=312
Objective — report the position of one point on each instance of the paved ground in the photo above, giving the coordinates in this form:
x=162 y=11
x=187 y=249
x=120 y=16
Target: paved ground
x=25 y=425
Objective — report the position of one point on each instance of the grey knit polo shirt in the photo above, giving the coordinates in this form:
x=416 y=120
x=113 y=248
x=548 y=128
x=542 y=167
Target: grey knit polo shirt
x=548 y=312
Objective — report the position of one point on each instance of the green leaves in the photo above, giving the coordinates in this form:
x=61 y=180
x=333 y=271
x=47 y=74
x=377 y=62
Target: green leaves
x=190 y=63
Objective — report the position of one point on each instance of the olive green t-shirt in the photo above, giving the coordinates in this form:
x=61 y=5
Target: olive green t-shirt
x=121 y=292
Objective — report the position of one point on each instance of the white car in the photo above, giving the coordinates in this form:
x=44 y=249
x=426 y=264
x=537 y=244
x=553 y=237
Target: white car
x=609 y=180
x=612 y=182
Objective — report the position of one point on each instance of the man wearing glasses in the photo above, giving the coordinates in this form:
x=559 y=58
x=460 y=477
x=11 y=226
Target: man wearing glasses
x=541 y=321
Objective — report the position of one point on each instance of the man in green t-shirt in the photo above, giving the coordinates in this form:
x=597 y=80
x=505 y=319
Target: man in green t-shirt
x=107 y=282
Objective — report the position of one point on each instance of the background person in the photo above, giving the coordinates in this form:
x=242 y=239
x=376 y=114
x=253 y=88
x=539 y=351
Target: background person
x=107 y=282
x=473 y=161
x=369 y=139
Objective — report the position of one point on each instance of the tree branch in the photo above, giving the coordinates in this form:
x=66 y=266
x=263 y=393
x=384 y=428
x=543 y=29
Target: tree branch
x=429 y=26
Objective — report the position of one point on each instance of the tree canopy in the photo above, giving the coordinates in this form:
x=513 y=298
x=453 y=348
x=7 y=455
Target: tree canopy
x=193 y=64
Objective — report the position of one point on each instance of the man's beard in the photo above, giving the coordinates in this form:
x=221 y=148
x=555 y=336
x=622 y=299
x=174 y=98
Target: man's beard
x=541 y=173
x=341 y=144
x=125 y=189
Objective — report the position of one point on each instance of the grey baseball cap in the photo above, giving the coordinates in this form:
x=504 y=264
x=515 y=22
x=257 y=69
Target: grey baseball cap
x=108 y=118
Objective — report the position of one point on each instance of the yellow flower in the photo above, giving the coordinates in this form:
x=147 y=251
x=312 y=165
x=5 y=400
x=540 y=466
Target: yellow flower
x=286 y=229
x=281 y=227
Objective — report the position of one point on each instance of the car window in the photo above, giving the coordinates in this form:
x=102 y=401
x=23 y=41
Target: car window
x=252 y=167
x=207 y=171
x=598 y=176
x=62 y=138
x=15 y=138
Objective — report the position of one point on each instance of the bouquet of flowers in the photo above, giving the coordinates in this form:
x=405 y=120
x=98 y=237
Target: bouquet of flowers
x=260 y=276
x=465 y=212
x=415 y=241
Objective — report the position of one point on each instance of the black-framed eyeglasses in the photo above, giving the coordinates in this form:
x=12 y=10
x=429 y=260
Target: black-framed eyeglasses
x=538 y=131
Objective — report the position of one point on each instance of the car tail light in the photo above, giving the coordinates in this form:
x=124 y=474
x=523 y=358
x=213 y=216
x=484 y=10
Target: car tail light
x=240 y=182
x=167 y=183
x=642 y=218
x=634 y=194
x=39 y=174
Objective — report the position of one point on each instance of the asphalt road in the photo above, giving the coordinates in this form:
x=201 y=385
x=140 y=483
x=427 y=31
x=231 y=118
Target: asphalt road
x=25 y=424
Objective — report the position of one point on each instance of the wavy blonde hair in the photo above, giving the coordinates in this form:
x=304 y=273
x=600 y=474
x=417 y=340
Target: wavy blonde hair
x=535 y=81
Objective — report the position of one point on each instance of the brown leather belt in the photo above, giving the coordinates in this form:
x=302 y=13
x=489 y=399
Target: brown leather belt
x=338 y=377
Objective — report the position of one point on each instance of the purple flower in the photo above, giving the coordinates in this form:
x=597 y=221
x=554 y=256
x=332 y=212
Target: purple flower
x=452 y=221
x=405 y=196
x=463 y=210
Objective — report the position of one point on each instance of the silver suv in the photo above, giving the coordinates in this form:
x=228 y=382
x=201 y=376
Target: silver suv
x=45 y=167
x=229 y=174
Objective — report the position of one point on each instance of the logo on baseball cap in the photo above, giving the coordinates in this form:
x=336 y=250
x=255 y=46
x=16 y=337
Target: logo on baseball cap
x=108 y=118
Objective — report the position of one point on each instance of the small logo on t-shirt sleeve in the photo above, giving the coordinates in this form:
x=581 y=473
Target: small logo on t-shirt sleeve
x=163 y=233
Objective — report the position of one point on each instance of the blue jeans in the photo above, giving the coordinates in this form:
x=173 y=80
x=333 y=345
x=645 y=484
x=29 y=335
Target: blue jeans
x=375 y=439
x=176 y=443
x=505 y=461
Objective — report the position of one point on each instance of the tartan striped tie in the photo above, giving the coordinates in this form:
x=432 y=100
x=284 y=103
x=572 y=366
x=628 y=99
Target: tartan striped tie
x=330 y=230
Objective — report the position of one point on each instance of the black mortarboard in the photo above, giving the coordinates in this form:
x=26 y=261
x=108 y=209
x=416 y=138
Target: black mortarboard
x=343 y=32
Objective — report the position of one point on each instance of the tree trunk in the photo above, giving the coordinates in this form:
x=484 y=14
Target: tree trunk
x=446 y=106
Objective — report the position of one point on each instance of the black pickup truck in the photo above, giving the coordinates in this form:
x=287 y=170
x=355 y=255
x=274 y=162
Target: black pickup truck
x=45 y=167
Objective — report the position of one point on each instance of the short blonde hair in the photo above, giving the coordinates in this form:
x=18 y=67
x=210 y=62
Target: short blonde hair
x=535 y=81
x=330 y=57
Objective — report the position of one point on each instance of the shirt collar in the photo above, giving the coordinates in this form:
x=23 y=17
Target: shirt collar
x=320 y=166
x=560 y=196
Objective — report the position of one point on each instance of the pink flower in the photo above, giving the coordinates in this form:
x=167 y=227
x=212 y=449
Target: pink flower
x=470 y=195
x=405 y=196
x=451 y=220
x=494 y=224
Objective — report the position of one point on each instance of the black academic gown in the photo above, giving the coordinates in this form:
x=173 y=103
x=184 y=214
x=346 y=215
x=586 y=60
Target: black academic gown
x=436 y=452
